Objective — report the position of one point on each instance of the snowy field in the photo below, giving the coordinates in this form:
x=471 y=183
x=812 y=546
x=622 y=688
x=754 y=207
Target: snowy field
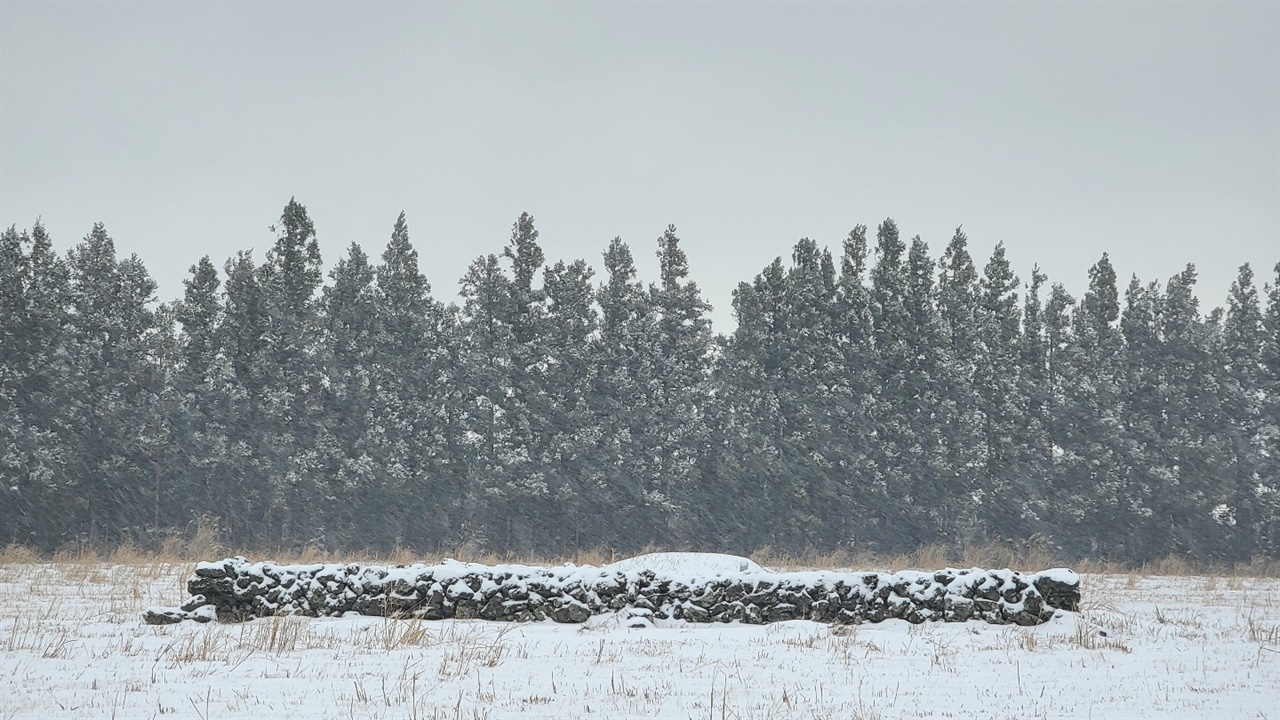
x=72 y=644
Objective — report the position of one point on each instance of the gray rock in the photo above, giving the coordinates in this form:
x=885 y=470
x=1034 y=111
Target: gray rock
x=569 y=611
x=163 y=615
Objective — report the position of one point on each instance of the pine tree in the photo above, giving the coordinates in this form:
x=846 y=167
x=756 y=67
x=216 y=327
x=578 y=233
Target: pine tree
x=809 y=378
x=290 y=278
x=117 y=386
x=936 y=490
x=961 y=414
x=684 y=345
x=15 y=365
x=244 y=494
x=1142 y=439
x=855 y=392
x=1194 y=441
x=486 y=342
x=525 y=407
x=1242 y=392
x=1032 y=439
x=1269 y=386
x=1096 y=466
x=571 y=430
x=37 y=493
x=1008 y=510
x=625 y=355
x=1064 y=499
x=198 y=383
x=416 y=420
x=353 y=480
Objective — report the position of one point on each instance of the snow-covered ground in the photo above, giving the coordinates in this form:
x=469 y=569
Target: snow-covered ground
x=72 y=644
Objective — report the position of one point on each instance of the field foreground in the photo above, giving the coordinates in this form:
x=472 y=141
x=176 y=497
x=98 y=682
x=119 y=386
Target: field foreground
x=74 y=645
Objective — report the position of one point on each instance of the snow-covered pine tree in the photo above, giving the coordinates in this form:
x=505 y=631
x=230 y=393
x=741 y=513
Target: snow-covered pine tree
x=1269 y=440
x=570 y=429
x=198 y=383
x=416 y=425
x=37 y=492
x=242 y=496
x=1010 y=494
x=116 y=386
x=625 y=358
x=290 y=278
x=684 y=346
x=1194 y=442
x=1143 y=441
x=358 y=505
x=1240 y=380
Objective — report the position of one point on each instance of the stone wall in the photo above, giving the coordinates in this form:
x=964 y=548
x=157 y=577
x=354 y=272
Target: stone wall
x=235 y=590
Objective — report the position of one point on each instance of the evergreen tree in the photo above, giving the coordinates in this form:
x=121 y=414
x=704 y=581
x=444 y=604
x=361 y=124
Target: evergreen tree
x=116 y=387
x=1195 y=445
x=1142 y=439
x=294 y=423
x=1095 y=467
x=199 y=383
x=936 y=490
x=1034 y=446
x=485 y=362
x=354 y=483
x=855 y=391
x=1269 y=410
x=684 y=349
x=625 y=355
x=968 y=361
x=38 y=494
x=416 y=423
x=527 y=491
x=242 y=499
x=1241 y=383
x=571 y=431
x=1008 y=507
x=759 y=442
x=811 y=368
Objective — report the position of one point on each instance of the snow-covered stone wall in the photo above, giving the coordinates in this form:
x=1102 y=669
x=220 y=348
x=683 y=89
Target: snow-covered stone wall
x=235 y=590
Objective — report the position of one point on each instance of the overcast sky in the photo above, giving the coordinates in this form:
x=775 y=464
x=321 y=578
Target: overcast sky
x=1147 y=130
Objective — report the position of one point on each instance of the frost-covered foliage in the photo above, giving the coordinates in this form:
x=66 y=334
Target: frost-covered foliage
x=879 y=400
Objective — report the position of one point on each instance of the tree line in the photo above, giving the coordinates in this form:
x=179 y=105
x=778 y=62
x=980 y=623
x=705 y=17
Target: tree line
x=880 y=401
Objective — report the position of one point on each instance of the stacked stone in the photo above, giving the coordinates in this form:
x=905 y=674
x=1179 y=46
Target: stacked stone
x=236 y=590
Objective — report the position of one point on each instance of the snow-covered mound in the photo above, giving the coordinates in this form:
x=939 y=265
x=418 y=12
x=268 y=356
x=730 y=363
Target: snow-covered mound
x=687 y=565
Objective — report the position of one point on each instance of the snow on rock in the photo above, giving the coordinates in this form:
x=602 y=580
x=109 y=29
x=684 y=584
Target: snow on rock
x=691 y=565
x=1059 y=586
x=693 y=587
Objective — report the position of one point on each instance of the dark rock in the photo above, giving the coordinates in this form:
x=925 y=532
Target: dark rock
x=163 y=616
x=1058 y=593
x=781 y=613
x=494 y=608
x=211 y=572
x=694 y=613
x=466 y=609
x=709 y=599
x=958 y=611
x=569 y=611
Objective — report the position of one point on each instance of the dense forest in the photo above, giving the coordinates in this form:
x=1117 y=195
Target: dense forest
x=882 y=399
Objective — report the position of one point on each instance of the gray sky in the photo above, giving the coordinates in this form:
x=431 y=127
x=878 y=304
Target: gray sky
x=1148 y=130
